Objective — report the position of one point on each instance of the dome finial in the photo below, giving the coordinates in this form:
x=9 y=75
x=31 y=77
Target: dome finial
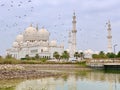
x=42 y=27
x=74 y=12
x=37 y=27
x=31 y=25
x=109 y=21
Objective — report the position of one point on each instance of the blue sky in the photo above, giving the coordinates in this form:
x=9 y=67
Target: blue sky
x=56 y=17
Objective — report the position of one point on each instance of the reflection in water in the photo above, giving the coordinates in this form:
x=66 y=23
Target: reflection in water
x=76 y=81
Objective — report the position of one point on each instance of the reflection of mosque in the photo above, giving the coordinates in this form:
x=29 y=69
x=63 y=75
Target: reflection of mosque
x=72 y=82
x=47 y=84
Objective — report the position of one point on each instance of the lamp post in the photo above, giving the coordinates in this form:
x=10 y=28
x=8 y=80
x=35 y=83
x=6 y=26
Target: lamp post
x=114 y=52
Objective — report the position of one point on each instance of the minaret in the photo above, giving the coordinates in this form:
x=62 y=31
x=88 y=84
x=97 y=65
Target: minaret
x=37 y=27
x=109 y=37
x=70 y=43
x=74 y=31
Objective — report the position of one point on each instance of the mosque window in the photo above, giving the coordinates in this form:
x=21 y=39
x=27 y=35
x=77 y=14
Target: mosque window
x=34 y=51
x=41 y=50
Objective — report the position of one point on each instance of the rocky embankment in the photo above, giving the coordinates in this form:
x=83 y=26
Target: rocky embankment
x=20 y=72
x=27 y=71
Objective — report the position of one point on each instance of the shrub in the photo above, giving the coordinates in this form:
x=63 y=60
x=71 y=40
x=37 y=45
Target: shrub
x=43 y=59
x=9 y=61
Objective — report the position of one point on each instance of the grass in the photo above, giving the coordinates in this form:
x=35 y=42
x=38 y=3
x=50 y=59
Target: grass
x=40 y=61
x=82 y=63
x=9 y=84
x=7 y=88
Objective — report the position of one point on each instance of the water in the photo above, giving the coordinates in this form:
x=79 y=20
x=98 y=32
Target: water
x=73 y=81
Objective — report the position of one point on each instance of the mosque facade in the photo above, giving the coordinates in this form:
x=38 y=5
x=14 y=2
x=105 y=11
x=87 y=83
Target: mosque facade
x=34 y=41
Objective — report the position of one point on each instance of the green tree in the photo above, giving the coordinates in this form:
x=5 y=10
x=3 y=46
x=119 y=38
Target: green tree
x=27 y=57
x=118 y=54
x=81 y=55
x=8 y=56
x=102 y=55
x=37 y=56
x=95 y=56
x=1 y=58
x=110 y=55
x=76 y=55
x=56 y=55
x=65 y=55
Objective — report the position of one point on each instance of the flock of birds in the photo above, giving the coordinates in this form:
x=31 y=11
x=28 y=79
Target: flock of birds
x=19 y=4
x=55 y=33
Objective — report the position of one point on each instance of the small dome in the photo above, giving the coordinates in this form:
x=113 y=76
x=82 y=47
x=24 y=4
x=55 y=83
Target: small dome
x=43 y=31
x=53 y=43
x=80 y=51
x=15 y=44
x=89 y=51
x=19 y=38
x=96 y=52
x=35 y=42
x=67 y=50
x=62 y=45
x=45 y=49
x=43 y=34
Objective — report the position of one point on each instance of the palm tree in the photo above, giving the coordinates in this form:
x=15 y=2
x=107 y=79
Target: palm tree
x=81 y=55
x=65 y=55
x=37 y=56
x=76 y=55
x=56 y=55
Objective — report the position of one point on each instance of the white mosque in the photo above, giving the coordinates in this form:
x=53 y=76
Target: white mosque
x=34 y=41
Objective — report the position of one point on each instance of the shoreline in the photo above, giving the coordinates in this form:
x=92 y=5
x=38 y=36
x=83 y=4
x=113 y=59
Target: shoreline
x=28 y=71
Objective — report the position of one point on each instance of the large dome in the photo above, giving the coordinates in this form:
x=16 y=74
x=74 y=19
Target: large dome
x=89 y=51
x=30 y=34
x=43 y=34
x=19 y=38
x=30 y=30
